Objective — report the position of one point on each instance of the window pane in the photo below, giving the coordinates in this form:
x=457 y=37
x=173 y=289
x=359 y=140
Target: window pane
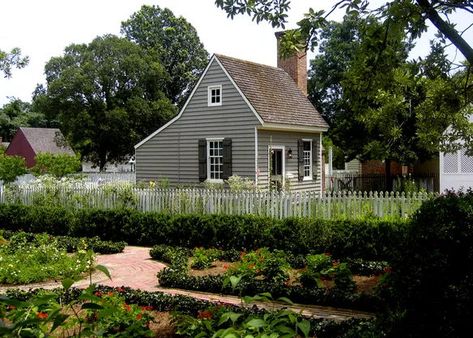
x=215 y=159
x=306 y=145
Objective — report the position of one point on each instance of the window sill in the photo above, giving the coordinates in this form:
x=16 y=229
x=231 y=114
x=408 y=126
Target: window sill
x=307 y=178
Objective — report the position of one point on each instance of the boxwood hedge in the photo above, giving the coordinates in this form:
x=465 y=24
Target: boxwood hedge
x=372 y=239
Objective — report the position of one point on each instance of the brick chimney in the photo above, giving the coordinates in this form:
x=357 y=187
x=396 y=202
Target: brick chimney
x=295 y=65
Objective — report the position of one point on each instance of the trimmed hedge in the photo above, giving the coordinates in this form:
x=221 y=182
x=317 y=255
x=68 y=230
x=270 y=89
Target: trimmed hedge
x=371 y=239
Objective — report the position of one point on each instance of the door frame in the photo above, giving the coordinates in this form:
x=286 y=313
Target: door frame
x=283 y=157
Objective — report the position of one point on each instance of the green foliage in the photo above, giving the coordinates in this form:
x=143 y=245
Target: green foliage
x=26 y=259
x=220 y=322
x=260 y=272
x=237 y=183
x=261 y=263
x=91 y=314
x=57 y=165
x=169 y=254
x=11 y=59
x=379 y=104
x=370 y=239
x=429 y=290
x=16 y=114
x=124 y=192
x=322 y=267
x=157 y=301
x=107 y=95
x=11 y=167
x=409 y=16
x=73 y=244
x=175 y=41
x=203 y=258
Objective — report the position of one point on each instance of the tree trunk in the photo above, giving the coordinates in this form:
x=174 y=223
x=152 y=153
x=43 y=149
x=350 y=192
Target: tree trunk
x=388 y=175
x=447 y=30
x=102 y=161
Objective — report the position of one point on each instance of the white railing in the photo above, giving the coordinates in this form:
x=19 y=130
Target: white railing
x=271 y=204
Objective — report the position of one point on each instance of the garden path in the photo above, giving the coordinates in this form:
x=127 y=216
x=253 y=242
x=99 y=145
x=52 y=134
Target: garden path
x=134 y=268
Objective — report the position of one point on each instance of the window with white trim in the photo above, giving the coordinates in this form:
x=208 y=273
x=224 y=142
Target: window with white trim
x=214 y=159
x=214 y=95
x=307 y=152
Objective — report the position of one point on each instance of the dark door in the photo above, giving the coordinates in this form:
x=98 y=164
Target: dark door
x=277 y=169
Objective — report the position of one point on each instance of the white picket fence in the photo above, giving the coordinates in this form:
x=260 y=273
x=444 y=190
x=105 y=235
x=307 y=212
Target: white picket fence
x=201 y=201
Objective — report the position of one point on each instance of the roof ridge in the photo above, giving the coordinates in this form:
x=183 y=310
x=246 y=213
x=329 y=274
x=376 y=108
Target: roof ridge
x=249 y=62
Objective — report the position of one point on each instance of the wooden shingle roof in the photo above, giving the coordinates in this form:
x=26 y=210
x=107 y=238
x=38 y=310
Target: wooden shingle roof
x=272 y=93
x=47 y=140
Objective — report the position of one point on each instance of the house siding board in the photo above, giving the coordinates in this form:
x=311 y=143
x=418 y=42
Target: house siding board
x=173 y=153
x=288 y=140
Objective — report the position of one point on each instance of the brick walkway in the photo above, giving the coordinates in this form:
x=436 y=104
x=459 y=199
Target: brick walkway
x=134 y=268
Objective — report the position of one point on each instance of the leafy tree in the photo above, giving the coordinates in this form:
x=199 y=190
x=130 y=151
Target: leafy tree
x=11 y=59
x=16 y=114
x=58 y=165
x=11 y=167
x=176 y=42
x=379 y=104
x=107 y=96
x=408 y=15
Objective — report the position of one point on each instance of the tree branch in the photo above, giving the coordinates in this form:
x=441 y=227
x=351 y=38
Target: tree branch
x=446 y=29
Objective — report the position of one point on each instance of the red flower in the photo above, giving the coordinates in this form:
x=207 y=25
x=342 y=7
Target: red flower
x=225 y=267
x=110 y=293
x=147 y=308
x=120 y=289
x=42 y=315
x=139 y=316
x=127 y=307
x=206 y=314
x=387 y=269
x=98 y=293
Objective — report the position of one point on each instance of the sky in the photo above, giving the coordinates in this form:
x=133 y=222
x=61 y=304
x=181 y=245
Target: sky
x=42 y=29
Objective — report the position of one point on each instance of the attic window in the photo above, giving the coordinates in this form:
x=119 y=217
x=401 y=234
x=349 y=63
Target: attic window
x=214 y=95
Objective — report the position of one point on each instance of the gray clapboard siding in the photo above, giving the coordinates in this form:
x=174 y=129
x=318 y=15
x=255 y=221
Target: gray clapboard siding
x=288 y=140
x=173 y=153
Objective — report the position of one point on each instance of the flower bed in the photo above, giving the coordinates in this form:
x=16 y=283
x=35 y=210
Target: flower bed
x=24 y=261
x=323 y=280
x=119 y=306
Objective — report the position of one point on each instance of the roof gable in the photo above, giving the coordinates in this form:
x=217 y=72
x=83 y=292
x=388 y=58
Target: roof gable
x=272 y=93
x=46 y=140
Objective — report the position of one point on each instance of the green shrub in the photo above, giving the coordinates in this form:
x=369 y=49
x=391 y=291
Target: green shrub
x=74 y=244
x=367 y=239
x=203 y=258
x=261 y=263
x=321 y=267
x=430 y=288
x=11 y=167
x=57 y=165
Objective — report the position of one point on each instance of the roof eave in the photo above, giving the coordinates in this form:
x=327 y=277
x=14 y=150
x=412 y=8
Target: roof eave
x=292 y=127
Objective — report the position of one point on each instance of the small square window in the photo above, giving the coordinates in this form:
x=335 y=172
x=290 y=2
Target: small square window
x=214 y=95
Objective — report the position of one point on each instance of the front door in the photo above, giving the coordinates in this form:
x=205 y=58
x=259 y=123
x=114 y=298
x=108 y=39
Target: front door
x=277 y=168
